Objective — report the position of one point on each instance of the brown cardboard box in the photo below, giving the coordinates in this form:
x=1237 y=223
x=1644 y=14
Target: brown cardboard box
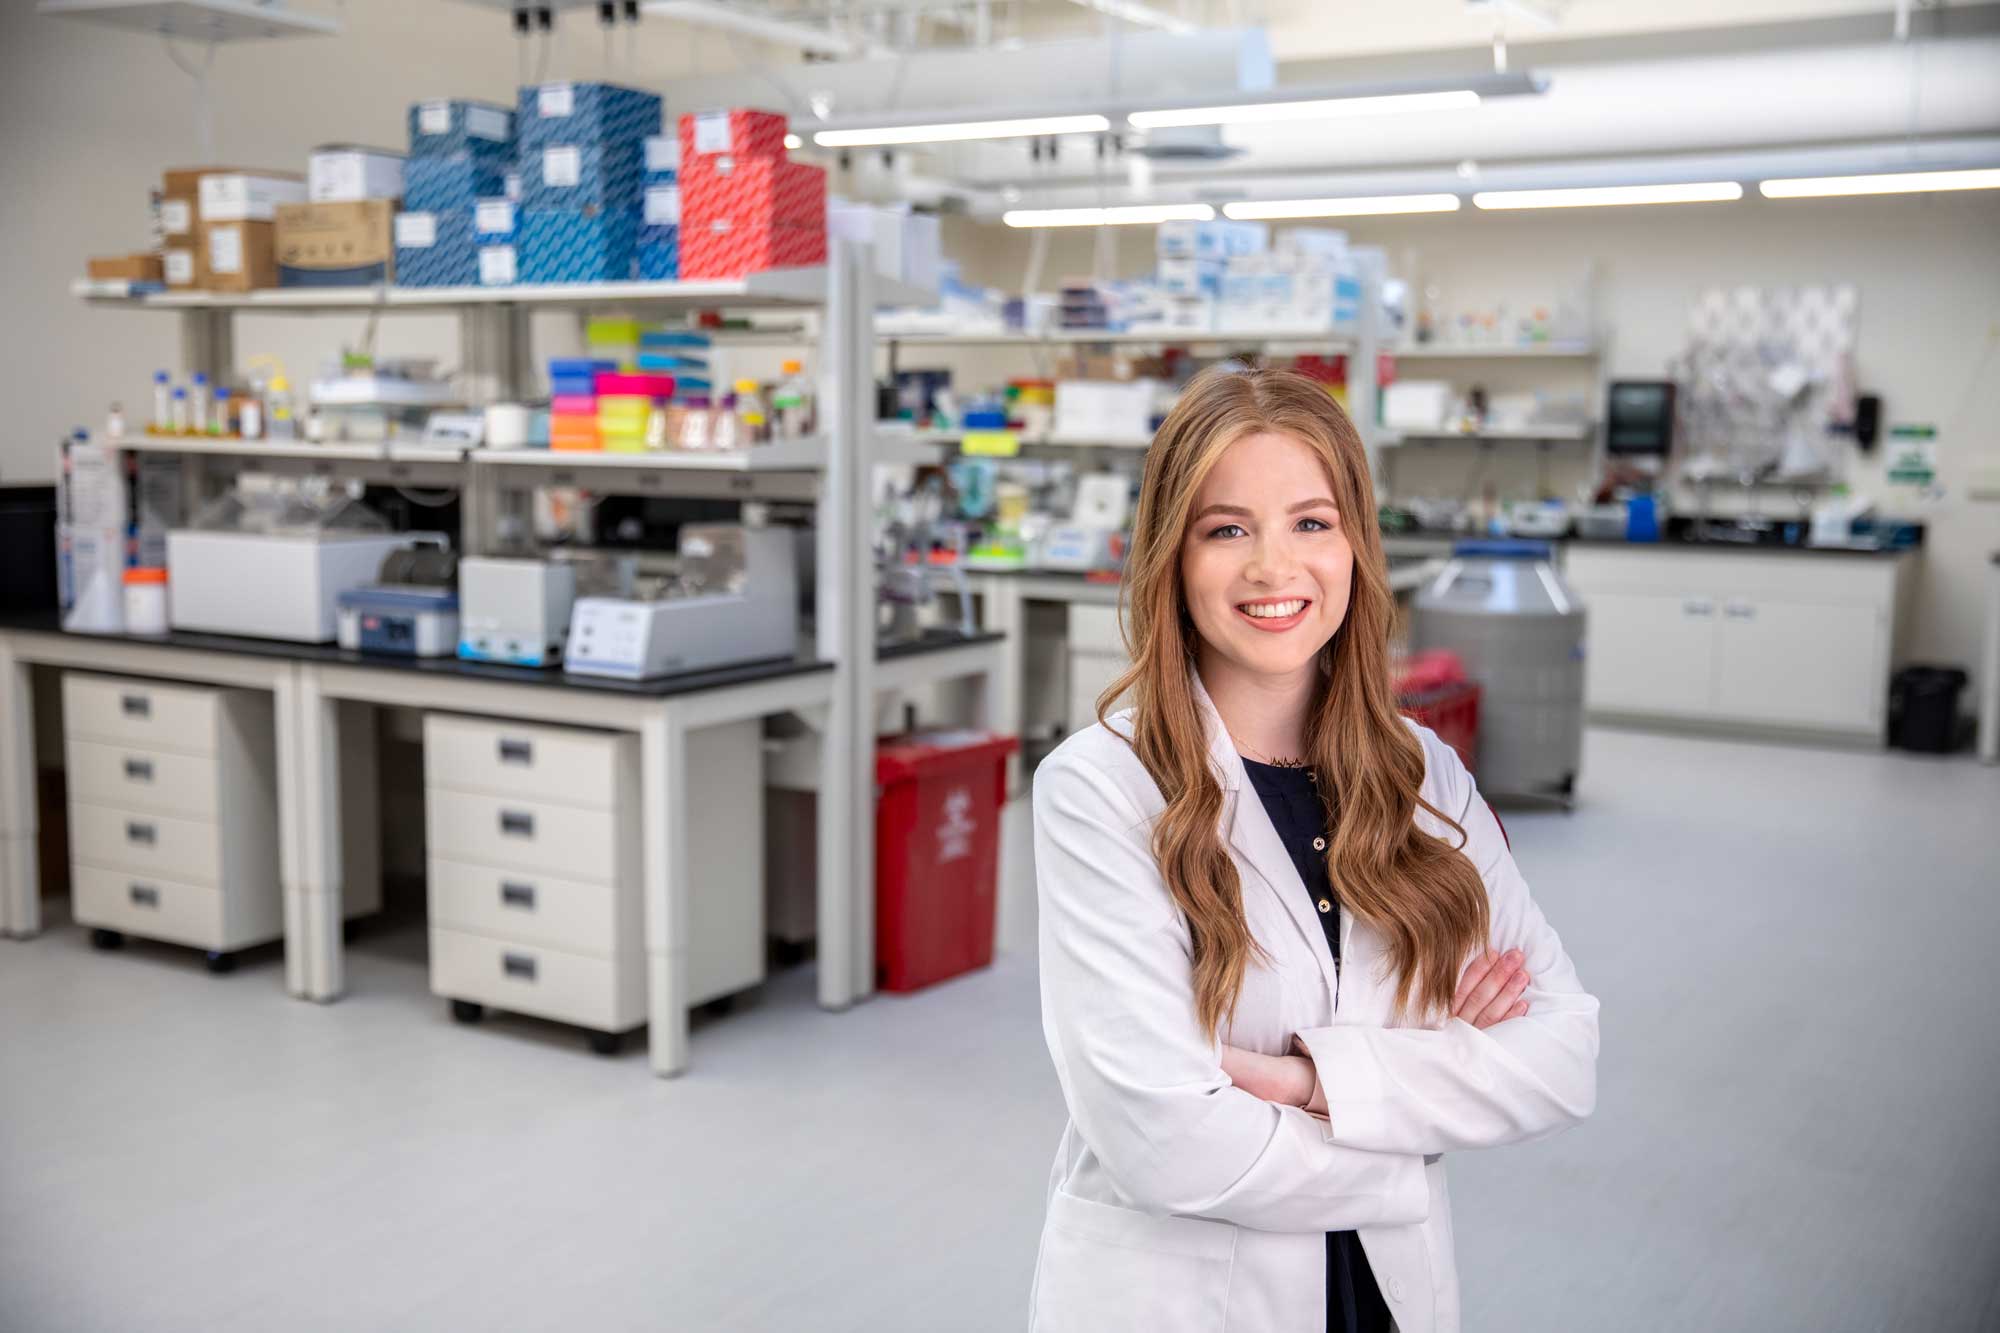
x=177 y=219
x=185 y=182
x=178 y=267
x=132 y=268
x=236 y=256
x=349 y=244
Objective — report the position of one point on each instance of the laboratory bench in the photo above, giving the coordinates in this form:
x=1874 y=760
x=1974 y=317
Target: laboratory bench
x=320 y=710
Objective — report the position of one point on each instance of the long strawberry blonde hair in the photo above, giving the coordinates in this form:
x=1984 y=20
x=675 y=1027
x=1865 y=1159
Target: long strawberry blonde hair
x=1420 y=892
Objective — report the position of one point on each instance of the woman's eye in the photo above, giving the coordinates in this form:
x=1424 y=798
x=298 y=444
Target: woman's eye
x=1227 y=530
x=1314 y=525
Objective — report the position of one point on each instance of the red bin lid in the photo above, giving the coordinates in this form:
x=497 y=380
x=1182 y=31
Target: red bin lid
x=924 y=753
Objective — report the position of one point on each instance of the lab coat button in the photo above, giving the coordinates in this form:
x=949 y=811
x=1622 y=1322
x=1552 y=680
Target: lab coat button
x=1325 y=906
x=1319 y=844
x=1395 y=1289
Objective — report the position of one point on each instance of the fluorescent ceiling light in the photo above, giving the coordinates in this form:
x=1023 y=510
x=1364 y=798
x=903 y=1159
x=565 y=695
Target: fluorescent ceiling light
x=1324 y=108
x=1141 y=15
x=1704 y=192
x=1107 y=217
x=1031 y=126
x=1900 y=182
x=1266 y=210
x=196 y=20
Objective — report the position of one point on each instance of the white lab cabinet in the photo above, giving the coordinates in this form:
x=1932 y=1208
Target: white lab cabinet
x=173 y=814
x=535 y=889
x=1788 y=641
x=1097 y=657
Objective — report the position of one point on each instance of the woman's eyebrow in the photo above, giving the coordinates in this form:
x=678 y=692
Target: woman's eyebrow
x=1240 y=512
x=1312 y=504
x=1237 y=510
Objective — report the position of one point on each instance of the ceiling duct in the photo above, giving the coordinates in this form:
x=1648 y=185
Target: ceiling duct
x=1187 y=143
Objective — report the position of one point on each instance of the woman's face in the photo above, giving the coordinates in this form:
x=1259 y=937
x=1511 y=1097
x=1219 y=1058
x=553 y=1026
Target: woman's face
x=1265 y=565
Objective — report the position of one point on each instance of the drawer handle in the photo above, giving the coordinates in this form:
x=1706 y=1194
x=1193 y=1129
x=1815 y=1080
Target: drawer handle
x=141 y=833
x=138 y=770
x=518 y=895
x=1700 y=608
x=518 y=965
x=136 y=705
x=144 y=895
x=1740 y=611
x=517 y=824
x=517 y=752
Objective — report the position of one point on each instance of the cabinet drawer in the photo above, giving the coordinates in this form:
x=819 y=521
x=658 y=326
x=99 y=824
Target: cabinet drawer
x=533 y=909
x=548 y=983
x=141 y=713
x=135 y=779
x=154 y=909
x=510 y=759
x=188 y=850
x=1094 y=629
x=523 y=835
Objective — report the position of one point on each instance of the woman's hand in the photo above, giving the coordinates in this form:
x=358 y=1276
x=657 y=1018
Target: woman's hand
x=1288 y=1080
x=1490 y=991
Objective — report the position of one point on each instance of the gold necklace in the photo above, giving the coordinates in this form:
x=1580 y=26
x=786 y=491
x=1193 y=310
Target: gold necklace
x=1273 y=761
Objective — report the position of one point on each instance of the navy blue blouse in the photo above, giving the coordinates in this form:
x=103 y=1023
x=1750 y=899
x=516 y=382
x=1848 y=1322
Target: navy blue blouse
x=1305 y=825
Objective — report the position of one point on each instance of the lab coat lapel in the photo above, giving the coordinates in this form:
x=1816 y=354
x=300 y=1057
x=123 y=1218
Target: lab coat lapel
x=1250 y=833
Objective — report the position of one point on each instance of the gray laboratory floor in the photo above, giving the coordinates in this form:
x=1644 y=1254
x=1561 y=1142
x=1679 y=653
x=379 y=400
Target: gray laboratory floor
x=1800 y=1093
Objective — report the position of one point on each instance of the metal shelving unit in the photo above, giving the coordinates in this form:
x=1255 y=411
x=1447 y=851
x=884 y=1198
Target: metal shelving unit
x=1575 y=351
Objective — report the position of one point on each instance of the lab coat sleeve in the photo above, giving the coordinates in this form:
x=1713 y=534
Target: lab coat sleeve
x=1144 y=1084
x=1414 y=1090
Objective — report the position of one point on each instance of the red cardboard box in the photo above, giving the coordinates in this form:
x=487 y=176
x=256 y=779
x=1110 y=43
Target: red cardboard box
x=739 y=133
x=752 y=192
x=721 y=249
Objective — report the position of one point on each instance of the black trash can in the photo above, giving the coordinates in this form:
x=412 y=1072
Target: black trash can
x=1923 y=709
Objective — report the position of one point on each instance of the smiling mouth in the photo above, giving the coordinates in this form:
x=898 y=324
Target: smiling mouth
x=1275 y=614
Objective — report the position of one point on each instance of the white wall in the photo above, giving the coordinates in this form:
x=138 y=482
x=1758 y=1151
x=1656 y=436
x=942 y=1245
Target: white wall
x=1928 y=269
x=92 y=115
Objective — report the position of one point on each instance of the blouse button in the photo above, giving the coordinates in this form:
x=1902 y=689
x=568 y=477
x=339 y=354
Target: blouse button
x=1325 y=906
x=1319 y=844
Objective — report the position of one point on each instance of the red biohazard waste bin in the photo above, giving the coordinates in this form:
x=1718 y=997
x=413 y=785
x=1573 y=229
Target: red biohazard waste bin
x=937 y=853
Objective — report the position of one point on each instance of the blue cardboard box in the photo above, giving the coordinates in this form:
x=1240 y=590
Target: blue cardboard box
x=585 y=113
x=453 y=183
x=574 y=176
x=441 y=127
x=436 y=249
x=563 y=246
x=659 y=254
x=493 y=220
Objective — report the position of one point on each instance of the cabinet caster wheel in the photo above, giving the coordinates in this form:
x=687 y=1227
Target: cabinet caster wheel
x=106 y=939
x=606 y=1043
x=465 y=1011
x=221 y=964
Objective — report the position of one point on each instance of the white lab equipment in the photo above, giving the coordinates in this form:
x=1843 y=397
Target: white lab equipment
x=733 y=600
x=514 y=610
x=271 y=562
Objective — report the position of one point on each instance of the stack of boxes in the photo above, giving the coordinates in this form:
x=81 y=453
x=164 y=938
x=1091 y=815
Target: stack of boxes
x=460 y=154
x=1307 y=282
x=1193 y=258
x=344 y=236
x=230 y=218
x=681 y=355
x=582 y=164
x=660 y=222
x=573 y=402
x=626 y=401
x=745 y=206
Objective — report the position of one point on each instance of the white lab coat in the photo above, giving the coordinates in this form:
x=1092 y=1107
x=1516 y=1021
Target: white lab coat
x=1180 y=1203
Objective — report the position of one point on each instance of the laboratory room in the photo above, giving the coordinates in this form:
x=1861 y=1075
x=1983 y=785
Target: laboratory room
x=1101 y=666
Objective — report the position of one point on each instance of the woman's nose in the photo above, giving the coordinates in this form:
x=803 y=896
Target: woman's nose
x=1270 y=561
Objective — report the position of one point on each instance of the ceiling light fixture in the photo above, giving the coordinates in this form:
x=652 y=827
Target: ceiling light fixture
x=1900 y=182
x=958 y=131
x=1271 y=210
x=1130 y=215
x=1141 y=15
x=1323 y=108
x=1601 y=196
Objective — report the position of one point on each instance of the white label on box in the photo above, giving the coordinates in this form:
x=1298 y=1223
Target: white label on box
x=176 y=218
x=416 y=231
x=512 y=184
x=554 y=99
x=496 y=265
x=663 y=206
x=180 y=268
x=711 y=132
x=493 y=217
x=663 y=153
x=562 y=167
x=225 y=250
x=486 y=122
x=434 y=118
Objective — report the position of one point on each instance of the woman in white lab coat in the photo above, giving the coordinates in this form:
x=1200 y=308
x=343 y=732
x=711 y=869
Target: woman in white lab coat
x=1264 y=1063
